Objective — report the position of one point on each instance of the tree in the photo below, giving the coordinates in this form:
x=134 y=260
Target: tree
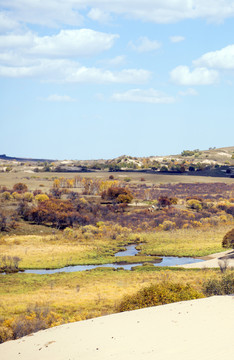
x=117 y=194
x=20 y=188
x=59 y=213
x=228 y=240
x=164 y=201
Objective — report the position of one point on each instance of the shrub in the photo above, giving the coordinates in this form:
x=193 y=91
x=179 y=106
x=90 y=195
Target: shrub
x=228 y=240
x=17 y=196
x=194 y=204
x=164 y=168
x=159 y=294
x=168 y=225
x=9 y=263
x=41 y=197
x=6 y=195
x=6 y=222
x=223 y=286
x=36 y=318
x=117 y=194
x=28 y=196
x=20 y=188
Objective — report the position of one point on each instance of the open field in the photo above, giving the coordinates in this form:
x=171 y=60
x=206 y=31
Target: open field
x=192 y=242
x=59 y=250
x=44 y=180
x=82 y=295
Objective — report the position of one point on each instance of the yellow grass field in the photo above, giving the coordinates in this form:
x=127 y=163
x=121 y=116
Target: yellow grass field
x=82 y=295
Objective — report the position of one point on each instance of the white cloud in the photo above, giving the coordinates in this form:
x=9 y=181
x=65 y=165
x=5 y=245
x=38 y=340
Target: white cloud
x=199 y=76
x=176 y=39
x=150 y=96
x=59 y=98
x=188 y=92
x=220 y=59
x=71 y=12
x=52 y=13
x=116 y=61
x=99 y=76
x=7 y=23
x=49 y=58
x=67 y=71
x=72 y=43
x=144 y=44
x=97 y=14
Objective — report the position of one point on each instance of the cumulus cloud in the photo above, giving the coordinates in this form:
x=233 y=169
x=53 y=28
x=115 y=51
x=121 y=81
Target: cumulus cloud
x=150 y=96
x=220 y=59
x=50 y=57
x=144 y=44
x=67 y=71
x=52 y=13
x=176 y=39
x=72 y=12
x=99 y=15
x=72 y=43
x=116 y=61
x=99 y=76
x=199 y=76
x=6 y=22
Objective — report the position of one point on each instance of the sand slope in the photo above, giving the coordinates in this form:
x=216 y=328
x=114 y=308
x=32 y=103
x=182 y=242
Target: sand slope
x=199 y=329
x=214 y=260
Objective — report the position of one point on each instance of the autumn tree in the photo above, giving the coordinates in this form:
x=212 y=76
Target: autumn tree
x=20 y=188
x=117 y=194
x=164 y=201
x=57 y=212
x=228 y=240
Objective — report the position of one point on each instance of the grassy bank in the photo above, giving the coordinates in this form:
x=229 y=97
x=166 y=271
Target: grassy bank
x=59 y=250
x=181 y=242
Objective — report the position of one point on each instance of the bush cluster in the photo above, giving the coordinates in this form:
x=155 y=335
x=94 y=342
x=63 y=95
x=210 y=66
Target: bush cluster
x=159 y=294
x=36 y=318
x=223 y=286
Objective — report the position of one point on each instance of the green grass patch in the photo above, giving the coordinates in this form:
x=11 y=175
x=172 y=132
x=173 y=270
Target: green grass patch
x=189 y=242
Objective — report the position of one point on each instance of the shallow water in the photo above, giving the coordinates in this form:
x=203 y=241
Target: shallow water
x=130 y=251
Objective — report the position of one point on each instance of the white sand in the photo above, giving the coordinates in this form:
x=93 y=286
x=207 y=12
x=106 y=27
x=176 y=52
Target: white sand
x=199 y=329
x=214 y=260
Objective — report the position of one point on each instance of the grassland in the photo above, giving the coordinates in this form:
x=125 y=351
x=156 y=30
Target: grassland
x=44 y=180
x=59 y=250
x=181 y=242
x=81 y=295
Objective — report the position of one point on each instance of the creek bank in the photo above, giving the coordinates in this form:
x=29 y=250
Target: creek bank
x=128 y=264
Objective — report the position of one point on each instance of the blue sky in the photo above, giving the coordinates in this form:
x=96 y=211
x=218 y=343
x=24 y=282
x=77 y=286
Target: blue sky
x=98 y=79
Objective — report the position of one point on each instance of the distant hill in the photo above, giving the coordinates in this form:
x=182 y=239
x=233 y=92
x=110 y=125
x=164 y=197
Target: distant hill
x=213 y=162
x=10 y=158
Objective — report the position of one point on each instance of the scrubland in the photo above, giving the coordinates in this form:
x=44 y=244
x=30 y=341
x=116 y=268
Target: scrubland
x=51 y=221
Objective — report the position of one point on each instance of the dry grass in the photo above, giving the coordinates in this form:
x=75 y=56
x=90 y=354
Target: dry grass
x=44 y=181
x=59 y=250
x=185 y=242
x=56 y=251
x=82 y=295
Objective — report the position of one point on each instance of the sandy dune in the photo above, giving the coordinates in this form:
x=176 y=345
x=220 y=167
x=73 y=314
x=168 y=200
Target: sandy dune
x=199 y=329
x=214 y=260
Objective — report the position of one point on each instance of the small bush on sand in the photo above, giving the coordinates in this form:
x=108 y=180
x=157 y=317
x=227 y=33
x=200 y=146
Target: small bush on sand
x=159 y=294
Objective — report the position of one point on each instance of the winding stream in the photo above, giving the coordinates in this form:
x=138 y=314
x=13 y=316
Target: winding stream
x=130 y=251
